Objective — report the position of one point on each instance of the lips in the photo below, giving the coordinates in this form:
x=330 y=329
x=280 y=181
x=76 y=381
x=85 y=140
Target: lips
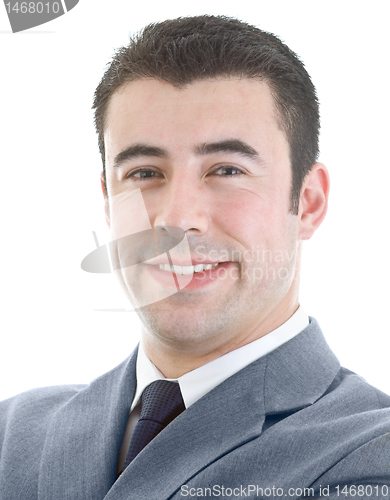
x=209 y=276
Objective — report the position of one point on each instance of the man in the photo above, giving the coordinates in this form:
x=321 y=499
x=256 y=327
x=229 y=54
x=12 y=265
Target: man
x=208 y=130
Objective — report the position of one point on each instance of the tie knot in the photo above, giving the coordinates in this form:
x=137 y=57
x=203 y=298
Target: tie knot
x=162 y=402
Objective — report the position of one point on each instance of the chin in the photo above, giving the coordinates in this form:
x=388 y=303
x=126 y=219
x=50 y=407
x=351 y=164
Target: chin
x=183 y=325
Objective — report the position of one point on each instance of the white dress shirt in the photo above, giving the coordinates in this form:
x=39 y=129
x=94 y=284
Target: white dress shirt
x=196 y=383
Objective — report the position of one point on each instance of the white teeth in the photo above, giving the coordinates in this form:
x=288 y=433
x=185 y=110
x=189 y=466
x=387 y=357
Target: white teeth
x=185 y=270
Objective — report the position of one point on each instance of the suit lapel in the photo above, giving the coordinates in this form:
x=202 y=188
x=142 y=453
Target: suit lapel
x=83 y=441
x=299 y=372
x=220 y=421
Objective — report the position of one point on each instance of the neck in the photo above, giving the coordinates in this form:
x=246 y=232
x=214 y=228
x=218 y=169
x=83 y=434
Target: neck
x=175 y=359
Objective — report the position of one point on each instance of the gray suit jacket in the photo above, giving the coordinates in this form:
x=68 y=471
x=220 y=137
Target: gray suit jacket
x=292 y=419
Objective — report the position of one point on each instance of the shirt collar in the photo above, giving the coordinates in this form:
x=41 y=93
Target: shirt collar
x=198 y=382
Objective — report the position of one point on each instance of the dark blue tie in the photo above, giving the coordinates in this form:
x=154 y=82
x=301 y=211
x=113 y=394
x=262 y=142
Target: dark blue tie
x=161 y=402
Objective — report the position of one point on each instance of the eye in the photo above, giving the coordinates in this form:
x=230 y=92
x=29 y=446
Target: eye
x=228 y=171
x=143 y=174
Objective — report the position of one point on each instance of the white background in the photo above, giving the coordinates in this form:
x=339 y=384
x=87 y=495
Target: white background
x=51 y=199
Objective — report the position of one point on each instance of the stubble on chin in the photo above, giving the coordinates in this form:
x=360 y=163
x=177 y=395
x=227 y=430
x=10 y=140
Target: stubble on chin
x=178 y=320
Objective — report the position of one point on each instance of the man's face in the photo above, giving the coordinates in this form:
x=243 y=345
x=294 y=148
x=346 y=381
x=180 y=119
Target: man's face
x=211 y=160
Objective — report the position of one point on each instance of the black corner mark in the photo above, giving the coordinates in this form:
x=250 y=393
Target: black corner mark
x=24 y=15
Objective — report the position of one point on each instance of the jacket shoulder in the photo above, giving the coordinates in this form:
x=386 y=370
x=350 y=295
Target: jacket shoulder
x=354 y=391
x=24 y=421
x=33 y=408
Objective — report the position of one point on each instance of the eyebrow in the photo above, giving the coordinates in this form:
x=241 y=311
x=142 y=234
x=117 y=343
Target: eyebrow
x=226 y=146
x=138 y=150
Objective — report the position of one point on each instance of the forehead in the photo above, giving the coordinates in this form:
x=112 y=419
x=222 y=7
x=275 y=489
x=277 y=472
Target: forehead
x=150 y=109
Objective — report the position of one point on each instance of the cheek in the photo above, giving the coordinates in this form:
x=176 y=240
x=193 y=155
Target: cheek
x=128 y=214
x=244 y=213
x=255 y=223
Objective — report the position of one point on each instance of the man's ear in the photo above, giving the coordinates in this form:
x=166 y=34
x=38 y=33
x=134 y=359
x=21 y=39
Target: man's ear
x=106 y=209
x=313 y=202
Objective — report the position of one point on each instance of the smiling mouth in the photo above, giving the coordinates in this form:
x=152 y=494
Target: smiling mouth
x=186 y=270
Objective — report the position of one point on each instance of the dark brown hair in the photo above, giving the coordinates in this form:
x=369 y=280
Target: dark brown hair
x=187 y=49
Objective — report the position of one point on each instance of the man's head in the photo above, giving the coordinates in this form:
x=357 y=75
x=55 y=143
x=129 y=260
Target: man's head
x=197 y=137
x=185 y=50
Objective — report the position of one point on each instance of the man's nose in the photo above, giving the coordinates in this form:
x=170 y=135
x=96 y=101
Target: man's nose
x=184 y=205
